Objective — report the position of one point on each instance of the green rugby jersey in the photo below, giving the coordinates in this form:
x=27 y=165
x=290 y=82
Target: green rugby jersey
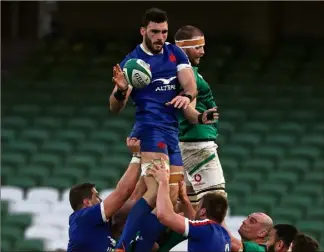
x=250 y=246
x=199 y=132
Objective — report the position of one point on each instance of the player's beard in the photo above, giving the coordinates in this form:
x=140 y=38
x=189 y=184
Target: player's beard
x=150 y=45
x=271 y=248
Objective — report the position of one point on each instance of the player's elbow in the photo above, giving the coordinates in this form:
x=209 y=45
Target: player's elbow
x=163 y=217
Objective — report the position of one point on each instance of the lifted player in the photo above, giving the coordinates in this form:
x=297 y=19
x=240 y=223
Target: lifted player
x=203 y=171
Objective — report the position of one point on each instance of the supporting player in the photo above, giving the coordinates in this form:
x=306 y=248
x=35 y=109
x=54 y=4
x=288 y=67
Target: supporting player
x=203 y=170
x=254 y=233
x=280 y=238
x=303 y=243
x=90 y=225
x=205 y=233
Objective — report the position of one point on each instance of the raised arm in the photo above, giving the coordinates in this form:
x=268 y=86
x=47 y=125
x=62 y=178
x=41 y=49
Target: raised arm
x=165 y=212
x=126 y=184
x=121 y=92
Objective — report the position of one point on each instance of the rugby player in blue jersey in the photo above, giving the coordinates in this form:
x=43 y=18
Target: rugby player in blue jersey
x=89 y=224
x=157 y=107
x=205 y=233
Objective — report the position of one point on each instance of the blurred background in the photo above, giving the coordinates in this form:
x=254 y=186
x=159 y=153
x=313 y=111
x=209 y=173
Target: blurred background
x=264 y=62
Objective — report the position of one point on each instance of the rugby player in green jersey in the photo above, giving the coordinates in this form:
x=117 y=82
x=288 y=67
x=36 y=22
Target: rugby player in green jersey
x=203 y=171
x=254 y=233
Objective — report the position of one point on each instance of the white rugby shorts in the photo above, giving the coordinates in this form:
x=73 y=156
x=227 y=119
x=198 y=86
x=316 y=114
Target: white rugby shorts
x=203 y=170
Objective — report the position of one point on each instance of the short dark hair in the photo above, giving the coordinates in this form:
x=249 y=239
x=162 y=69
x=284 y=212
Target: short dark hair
x=154 y=15
x=216 y=206
x=187 y=32
x=78 y=193
x=303 y=243
x=285 y=233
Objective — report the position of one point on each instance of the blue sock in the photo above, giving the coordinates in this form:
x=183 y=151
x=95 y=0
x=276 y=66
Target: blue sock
x=149 y=233
x=135 y=217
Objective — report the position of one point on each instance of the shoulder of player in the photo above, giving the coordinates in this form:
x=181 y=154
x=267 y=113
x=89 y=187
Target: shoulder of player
x=205 y=222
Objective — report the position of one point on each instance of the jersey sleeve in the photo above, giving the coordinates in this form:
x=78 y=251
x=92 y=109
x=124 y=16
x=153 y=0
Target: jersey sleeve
x=252 y=247
x=173 y=240
x=94 y=214
x=196 y=229
x=182 y=59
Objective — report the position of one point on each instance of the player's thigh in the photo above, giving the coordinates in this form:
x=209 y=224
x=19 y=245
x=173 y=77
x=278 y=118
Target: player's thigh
x=208 y=179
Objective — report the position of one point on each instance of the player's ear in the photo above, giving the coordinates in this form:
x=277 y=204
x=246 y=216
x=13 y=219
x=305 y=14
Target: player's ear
x=86 y=202
x=143 y=31
x=280 y=245
x=203 y=212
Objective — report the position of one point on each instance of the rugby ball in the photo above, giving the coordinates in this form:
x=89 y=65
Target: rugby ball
x=137 y=73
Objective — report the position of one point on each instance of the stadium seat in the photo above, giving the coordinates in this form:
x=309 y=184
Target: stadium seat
x=233 y=115
x=71 y=135
x=256 y=127
x=258 y=164
x=107 y=136
x=59 y=147
x=297 y=165
x=13 y=158
x=72 y=173
x=274 y=188
x=245 y=139
x=46 y=158
x=270 y=151
x=110 y=176
x=315 y=214
x=97 y=148
x=85 y=160
x=11 y=193
x=234 y=151
x=62 y=209
x=36 y=135
x=290 y=214
x=226 y=127
x=11 y=233
x=36 y=245
x=46 y=194
x=30 y=207
x=310 y=190
x=262 y=202
x=17 y=220
x=42 y=232
x=58 y=220
x=36 y=172
x=304 y=151
x=59 y=183
x=22 y=146
x=48 y=122
x=249 y=177
x=26 y=109
x=290 y=127
x=4 y=207
x=284 y=177
x=283 y=139
x=315 y=177
x=7 y=135
x=268 y=115
x=313 y=139
x=23 y=182
x=13 y=122
x=297 y=201
x=6 y=245
x=85 y=124
x=310 y=227
x=239 y=188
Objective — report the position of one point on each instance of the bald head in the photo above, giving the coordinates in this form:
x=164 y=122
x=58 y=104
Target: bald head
x=256 y=227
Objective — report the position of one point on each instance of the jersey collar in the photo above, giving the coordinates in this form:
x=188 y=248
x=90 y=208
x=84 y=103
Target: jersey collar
x=148 y=52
